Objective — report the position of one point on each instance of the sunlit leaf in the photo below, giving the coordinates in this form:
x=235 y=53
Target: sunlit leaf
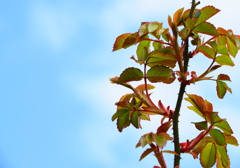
x=123 y=121
x=212 y=117
x=153 y=26
x=224 y=126
x=206 y=13
x=206 y=28
x=120 y=41
x=224 y=60
x=232 y=48
x=160 y=139
x=222 y=88
x=146 y=152
x=223 y=156
x=177 y=15
x=160 y=74
x=218 y=136
x=119 y=113
x=231 y=140
x=207 y=51
x=171 y=152
x=222 y=49
x=143 y=29
x=130 y=74
x=143 y=87
x=146 y=139
x=208 y=155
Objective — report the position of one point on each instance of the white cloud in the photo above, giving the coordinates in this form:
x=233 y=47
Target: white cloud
x=55 y=24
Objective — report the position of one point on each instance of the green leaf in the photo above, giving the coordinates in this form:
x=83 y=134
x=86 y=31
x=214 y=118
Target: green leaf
x=207 y=51
x=123 y=121
x=146 y=139
x=222 y=49
x=120 y=41
x=160 y=73
x=142 y=50
x=160 y=58
x=130 y=74
x=201 y=125
x=223 y=77
x=146 y=152
x=208 y=155
x=224 y=60
x=222 y=88
x=153 y=26
x=224 y=126
x=206 y=13
x=222 y=156
x=231 y=140
x=143 y=29
x=119 y=113
x=206 y=28
x=232 y=48
x=135 y=119
x=218 y=136
x=161 y=139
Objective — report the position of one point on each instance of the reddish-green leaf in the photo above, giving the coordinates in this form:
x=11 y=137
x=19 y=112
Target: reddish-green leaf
x=160 y=58
x=123 y=121
x=120 y=41
x=164 y=127
x=218 y=136
x=208 y=155
x=177 y=15
x=130 y=74
x=232 y=48
x=223 y=77
x=224 y=60
x=231 y=140
x=130 y=40
x=224 y=126
x=201 y=125
x=119 y=113
x=222 y=156
x=160 y=74
x=207 y=51
x=206 y=13
x=222 y=88
x=206 y=28
x=212 y=117
x=143 y=87
x=146 y=152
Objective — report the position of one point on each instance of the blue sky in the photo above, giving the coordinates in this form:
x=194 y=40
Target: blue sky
x=56 y=99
